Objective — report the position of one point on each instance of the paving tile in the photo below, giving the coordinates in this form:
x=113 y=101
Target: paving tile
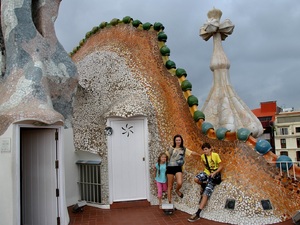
x=147 y=215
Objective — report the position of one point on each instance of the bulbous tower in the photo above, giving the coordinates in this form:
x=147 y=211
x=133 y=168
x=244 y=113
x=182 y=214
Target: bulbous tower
x=223 y=107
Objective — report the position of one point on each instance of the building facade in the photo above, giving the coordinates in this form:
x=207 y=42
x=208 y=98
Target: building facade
x=287 y=134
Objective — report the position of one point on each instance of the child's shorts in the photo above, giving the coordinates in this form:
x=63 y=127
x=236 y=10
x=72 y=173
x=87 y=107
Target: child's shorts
x=202 y=177
x=209 y=188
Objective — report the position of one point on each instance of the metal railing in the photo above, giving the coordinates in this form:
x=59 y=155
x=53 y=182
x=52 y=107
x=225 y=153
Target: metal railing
x=285 y=166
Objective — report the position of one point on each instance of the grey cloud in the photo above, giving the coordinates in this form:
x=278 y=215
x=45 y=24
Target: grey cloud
x=264 y=50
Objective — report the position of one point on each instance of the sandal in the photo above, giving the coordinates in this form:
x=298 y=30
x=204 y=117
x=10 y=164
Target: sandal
x=179 y=194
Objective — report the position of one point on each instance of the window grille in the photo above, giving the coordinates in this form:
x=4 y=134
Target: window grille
x=89 y=181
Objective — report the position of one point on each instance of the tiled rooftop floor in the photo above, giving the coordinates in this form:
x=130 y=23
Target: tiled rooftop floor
x=146 y=215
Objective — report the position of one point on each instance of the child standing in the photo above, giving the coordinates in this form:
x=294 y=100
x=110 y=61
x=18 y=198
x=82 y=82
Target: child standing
x=160 y=176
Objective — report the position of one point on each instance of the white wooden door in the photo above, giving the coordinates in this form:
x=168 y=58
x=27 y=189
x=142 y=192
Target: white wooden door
x=128 y=160
x=38 y=177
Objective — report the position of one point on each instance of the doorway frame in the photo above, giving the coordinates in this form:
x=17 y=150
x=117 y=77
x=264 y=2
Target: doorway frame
x=109 y=155
x=17 y=156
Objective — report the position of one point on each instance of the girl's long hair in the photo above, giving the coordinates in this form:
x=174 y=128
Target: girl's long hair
x=174 y=143
x=158 y=160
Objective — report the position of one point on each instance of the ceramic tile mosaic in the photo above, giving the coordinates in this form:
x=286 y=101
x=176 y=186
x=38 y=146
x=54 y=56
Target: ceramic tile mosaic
x=122 y=74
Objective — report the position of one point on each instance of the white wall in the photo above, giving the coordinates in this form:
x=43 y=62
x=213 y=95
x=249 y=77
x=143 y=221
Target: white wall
x=10 y=168
x=71 y=170
x=8 y=210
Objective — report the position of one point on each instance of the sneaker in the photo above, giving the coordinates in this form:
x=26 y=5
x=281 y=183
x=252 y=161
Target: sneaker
x=193 y=218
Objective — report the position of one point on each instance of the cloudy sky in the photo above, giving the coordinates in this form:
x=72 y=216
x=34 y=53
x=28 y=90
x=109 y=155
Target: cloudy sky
x=264 y=49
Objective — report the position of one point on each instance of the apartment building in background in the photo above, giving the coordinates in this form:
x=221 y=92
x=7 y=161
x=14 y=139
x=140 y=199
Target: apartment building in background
x=287 y=134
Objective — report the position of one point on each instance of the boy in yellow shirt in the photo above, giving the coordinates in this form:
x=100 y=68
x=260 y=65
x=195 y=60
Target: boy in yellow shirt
x=208 y=178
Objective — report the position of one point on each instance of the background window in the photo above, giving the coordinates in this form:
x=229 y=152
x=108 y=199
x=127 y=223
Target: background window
x=283 y=143
x=284 y=131
x=297 y=129
x=298 y=142
x=284 y=153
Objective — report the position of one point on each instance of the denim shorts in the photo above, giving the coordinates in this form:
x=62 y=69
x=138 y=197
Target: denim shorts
x=209 y=187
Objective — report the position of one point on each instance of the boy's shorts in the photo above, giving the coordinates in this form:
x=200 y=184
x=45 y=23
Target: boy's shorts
x=204 y=178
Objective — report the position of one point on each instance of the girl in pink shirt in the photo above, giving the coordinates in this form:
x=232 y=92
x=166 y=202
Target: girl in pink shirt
x=160 y=176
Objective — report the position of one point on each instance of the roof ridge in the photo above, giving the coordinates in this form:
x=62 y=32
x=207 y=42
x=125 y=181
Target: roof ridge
x=181 y=74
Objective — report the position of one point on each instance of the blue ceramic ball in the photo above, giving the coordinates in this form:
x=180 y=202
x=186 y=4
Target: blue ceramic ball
x=243 y=134
x=206 y=126
x=284 y=162
x=262 y=146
